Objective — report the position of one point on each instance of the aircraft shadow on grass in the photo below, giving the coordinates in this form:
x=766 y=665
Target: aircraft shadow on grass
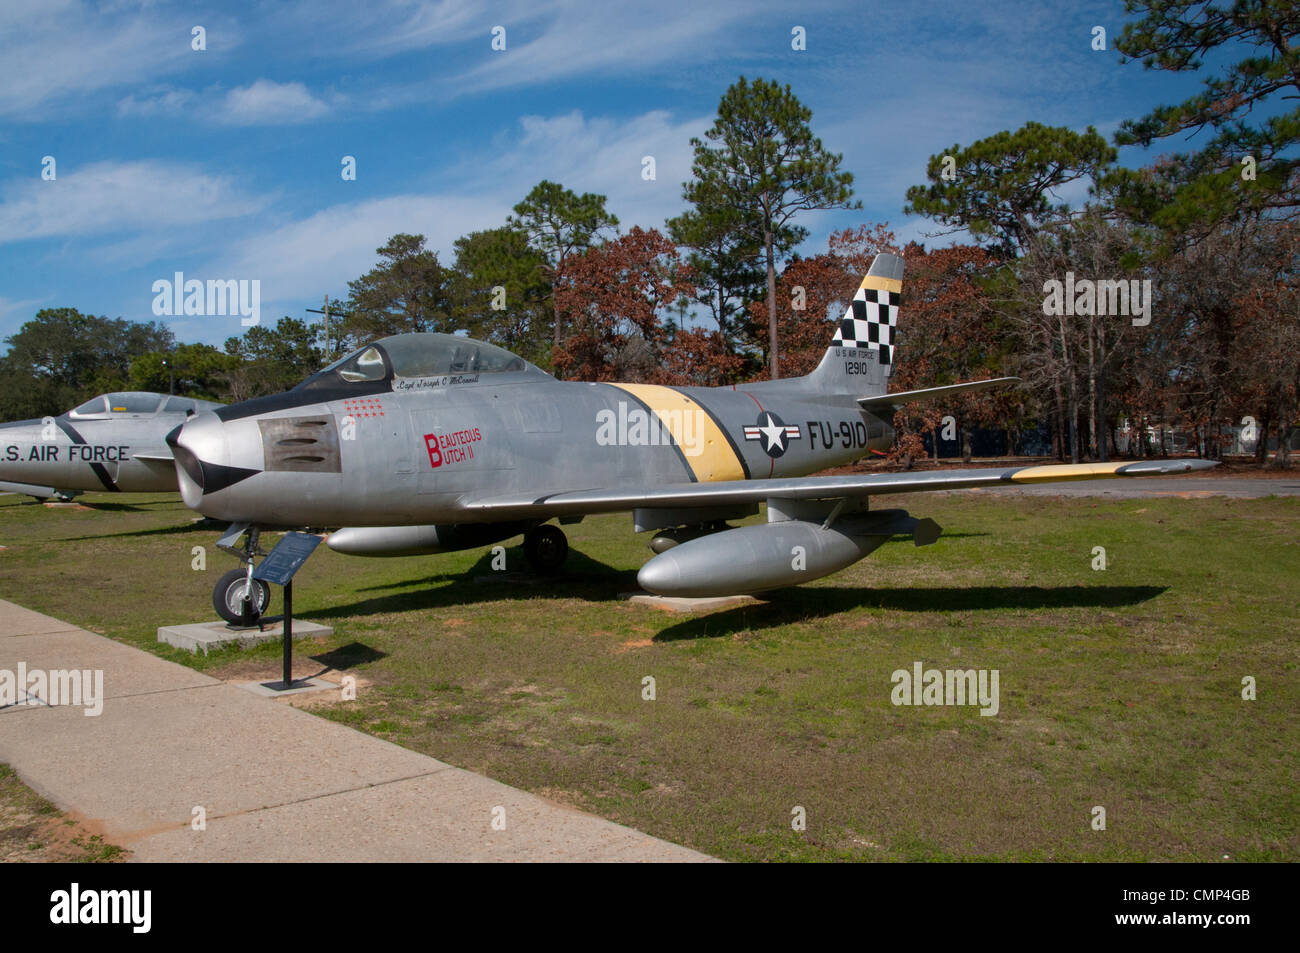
x=579 y=570
x=198 y=526
x=104 y=507
x=582 y=578
x=137 y=505
x=590 y=579
x=107 y=507
x=785 y=606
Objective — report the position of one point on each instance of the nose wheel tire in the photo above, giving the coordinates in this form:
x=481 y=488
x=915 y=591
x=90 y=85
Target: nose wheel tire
x=546 y=548
x=228 y=596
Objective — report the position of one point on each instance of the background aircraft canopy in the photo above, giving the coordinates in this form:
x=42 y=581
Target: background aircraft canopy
x=138 y=404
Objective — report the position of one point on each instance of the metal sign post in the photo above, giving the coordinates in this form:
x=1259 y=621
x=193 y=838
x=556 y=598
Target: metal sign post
x=279 y=566
x=288 y=634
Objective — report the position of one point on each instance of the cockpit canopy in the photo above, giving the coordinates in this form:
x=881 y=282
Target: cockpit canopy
x=138 y=403
x=418 y=355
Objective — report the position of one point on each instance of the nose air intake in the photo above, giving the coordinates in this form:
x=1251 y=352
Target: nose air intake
x=186 y=462
x=194 y=446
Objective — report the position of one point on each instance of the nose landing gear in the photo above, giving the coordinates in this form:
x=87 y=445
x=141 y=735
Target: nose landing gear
x=239 y=598
x=230 y=598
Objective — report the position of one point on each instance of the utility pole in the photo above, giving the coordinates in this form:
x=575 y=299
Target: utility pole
x=325 y=310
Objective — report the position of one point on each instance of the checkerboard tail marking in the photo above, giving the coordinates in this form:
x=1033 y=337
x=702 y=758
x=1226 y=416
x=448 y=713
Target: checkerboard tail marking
x=872 y=315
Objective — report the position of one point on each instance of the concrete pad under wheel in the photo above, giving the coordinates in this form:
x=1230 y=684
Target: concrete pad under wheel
x=681 y=604
x=207 y=637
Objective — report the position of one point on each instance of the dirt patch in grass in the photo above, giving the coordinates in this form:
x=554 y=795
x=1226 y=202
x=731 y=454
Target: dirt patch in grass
x=32 y=830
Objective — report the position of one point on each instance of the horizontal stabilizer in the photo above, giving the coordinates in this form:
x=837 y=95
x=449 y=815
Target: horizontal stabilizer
x=154 y=457
x=886 y=405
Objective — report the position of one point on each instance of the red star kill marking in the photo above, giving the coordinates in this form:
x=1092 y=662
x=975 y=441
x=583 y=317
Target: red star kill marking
x=363 y=407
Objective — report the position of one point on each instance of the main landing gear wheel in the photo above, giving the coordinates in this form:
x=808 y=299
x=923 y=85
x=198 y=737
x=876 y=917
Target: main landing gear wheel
x=228 y=596
x=546 y=548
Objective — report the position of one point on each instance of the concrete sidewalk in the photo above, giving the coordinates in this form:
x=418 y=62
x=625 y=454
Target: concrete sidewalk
x=275 y=783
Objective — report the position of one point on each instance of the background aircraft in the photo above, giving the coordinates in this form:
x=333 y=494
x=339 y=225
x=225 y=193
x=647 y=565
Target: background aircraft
x=425 y=443
x=112 y=442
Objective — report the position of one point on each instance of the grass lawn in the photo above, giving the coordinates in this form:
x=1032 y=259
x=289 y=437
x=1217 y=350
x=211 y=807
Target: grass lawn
x=1119 y=688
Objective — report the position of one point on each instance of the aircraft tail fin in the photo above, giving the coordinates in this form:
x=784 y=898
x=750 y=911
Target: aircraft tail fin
x=860 y=357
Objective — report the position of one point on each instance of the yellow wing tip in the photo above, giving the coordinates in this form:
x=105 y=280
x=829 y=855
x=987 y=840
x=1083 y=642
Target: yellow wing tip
x=1068 y=471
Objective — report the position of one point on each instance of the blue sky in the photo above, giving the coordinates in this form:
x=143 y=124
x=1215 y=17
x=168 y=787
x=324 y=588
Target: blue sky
x=225 y=163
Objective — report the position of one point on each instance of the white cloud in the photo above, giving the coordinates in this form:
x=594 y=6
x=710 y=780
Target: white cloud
x=263 y=102
x=307 y=257
x=618 y=39
x=600 y=155
x=164 y=102
x=321 y=253
x=56 y=49
x=928 y=233
x=1074 y=194
x=107 y=197
x=19 y=310
x=269 y=102
x=394 y=26
x=546 y=40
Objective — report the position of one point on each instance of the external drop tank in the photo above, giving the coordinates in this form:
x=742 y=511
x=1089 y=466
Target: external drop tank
x=776 y=554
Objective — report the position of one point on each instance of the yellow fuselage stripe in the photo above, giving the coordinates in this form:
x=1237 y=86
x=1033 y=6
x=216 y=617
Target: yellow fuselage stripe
x=707 y=451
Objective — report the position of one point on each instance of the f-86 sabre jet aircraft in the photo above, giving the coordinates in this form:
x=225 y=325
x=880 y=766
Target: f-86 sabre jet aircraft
x=112 y=442
x=426 y=443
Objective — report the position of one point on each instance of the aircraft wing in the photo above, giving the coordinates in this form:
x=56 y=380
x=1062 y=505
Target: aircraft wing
x=154 y=457
x=731 y=492
x=28 y=489
x=886 y=405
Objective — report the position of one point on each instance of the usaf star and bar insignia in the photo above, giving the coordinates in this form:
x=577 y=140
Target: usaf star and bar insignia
x=774 y=433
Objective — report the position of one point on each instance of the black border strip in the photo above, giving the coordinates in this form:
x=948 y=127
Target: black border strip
x=649 y=410
x=744 y=464
x=98 y=468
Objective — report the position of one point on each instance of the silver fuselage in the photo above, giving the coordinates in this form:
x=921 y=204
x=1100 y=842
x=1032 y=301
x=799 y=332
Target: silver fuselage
x=415 y=452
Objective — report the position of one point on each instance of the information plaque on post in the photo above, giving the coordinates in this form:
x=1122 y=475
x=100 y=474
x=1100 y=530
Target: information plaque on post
x=279 y=567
